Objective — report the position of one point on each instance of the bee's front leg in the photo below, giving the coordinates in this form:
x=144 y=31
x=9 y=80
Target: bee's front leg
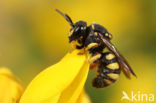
x=73 y=46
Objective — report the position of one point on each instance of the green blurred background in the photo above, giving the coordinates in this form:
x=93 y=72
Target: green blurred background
x=33 y=36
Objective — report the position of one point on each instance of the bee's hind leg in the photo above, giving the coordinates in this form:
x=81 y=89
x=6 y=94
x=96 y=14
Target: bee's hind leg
x=92 y=66
x=93 y=61
x=94 y=58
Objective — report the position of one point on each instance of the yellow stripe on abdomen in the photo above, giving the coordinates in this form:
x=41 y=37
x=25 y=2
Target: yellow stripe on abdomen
x=113 y=76
x=110 y=56
x=113 y=65
x=108 y=81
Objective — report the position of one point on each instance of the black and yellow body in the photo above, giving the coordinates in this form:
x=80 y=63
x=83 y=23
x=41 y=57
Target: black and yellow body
x=94 y=39
x=108 y=70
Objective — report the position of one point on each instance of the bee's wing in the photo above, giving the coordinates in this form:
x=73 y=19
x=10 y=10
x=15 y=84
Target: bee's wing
x=122 y=61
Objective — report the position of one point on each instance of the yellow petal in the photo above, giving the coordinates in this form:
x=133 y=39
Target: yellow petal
x=72 y=92
x=83 y=98
x=10 y=89
x=51 y=84
x=54 y=99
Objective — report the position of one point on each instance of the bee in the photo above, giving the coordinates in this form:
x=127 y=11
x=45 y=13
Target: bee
x=95 y=39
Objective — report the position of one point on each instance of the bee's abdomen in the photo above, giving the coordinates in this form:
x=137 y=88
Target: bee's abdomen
x=108 y=71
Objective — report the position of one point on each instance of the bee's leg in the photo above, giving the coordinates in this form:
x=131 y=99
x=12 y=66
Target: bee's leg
x=82 y=51
x=94 y=58
x=73 y=46
x=71 y=50
x=91 y=45
x=92 y=66
x=92 y=62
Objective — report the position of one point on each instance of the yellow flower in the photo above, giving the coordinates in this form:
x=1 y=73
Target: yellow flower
x=10 y=89
x=83 y=98
x=60 y=83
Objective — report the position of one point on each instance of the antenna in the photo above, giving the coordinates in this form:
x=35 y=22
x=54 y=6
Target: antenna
x=66 y=17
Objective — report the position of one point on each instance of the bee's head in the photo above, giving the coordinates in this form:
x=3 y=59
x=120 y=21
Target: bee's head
x=77 y=31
